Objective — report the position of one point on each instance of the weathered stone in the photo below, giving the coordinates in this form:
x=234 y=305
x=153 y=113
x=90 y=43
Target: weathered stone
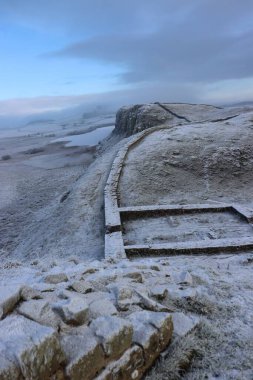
x=161 y=321
x=183 y=324
x=43 y=287
x=121 y=291
x=73 y=310
x=85 y=356
x=129 y=366
x=9 y=297
x=125 y=297
x=147 y=336
x=28 y=293
x=82 y=287
x=40 y=311
x=56 y=278
x=35 y=347
x=149 y=304
x=101 y=307
x=134 y=275
x=9 y=369
x=115 y=334
x=177 y=293
x=185 y=278
x=155 y=267
x=160 y=292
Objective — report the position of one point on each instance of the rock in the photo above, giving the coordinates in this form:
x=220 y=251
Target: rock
x=129 y=366
x=185 y=278
x=9 y=370
x=136 y=276
x=155 y=267
x=28 y=293
x=82 y=286
x=40 y=311
x=34 y=347
x=114 y=333
x=9 y=297
x=43 y=287
x=147 y=336
x=161 y=321
x=56 y=278
x=183 y=324
x=160 y=292
x=124 y=295
x=121 y=291
x=101 y=307
x=85 y=356
x=73 y=310
x=134 y=119
x=174 y=292
x=149 y=304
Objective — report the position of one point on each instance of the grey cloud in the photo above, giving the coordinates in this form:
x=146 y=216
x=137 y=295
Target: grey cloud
x=206 y=42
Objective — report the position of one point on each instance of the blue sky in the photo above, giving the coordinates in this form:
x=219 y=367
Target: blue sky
x=59 y=53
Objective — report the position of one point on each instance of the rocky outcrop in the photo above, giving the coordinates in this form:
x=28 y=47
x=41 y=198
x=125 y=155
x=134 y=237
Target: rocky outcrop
x=134 y=119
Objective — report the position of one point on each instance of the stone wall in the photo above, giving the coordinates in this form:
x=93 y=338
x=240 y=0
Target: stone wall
x=98 y=321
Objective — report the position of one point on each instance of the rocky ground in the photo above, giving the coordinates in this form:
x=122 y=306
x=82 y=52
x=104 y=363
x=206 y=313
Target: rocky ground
x=112 y=318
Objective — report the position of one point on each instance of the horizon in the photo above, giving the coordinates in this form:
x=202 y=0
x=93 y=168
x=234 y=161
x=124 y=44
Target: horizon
x=60 y=55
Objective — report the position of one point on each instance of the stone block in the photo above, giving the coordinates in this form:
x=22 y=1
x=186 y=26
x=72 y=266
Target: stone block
x=114 y=333
x=161 y=321
x=183 y=324
x=85 y=356
x=9 y=297
x=73 y=310
x=82 y=286
x=9 y=369
x=35 y=347
x=40 y=311
x=56 y=278
x=147 y=336
x=128 y=367
x=101 y=307
x=28 y=293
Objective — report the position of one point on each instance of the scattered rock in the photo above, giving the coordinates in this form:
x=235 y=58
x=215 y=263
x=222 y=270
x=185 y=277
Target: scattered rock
x=185 y=278
x=56 y=278
x=73 y=310
x=40 y=311
x=160 y=292
x=28 y=293
x=149 y=304
x=9 y=297
x=82 y=286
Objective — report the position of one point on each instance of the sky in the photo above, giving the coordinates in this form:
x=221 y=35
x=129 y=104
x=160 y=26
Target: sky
x=56 y=54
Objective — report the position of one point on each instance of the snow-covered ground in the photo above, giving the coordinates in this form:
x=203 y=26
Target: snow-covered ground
x=49 y=215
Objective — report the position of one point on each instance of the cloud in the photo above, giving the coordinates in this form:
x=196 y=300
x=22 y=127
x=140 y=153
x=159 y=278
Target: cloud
x=164 y=49
x=207 y=42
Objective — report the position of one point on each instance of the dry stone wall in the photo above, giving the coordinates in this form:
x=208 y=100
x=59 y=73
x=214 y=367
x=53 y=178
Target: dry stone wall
x=106 y=320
